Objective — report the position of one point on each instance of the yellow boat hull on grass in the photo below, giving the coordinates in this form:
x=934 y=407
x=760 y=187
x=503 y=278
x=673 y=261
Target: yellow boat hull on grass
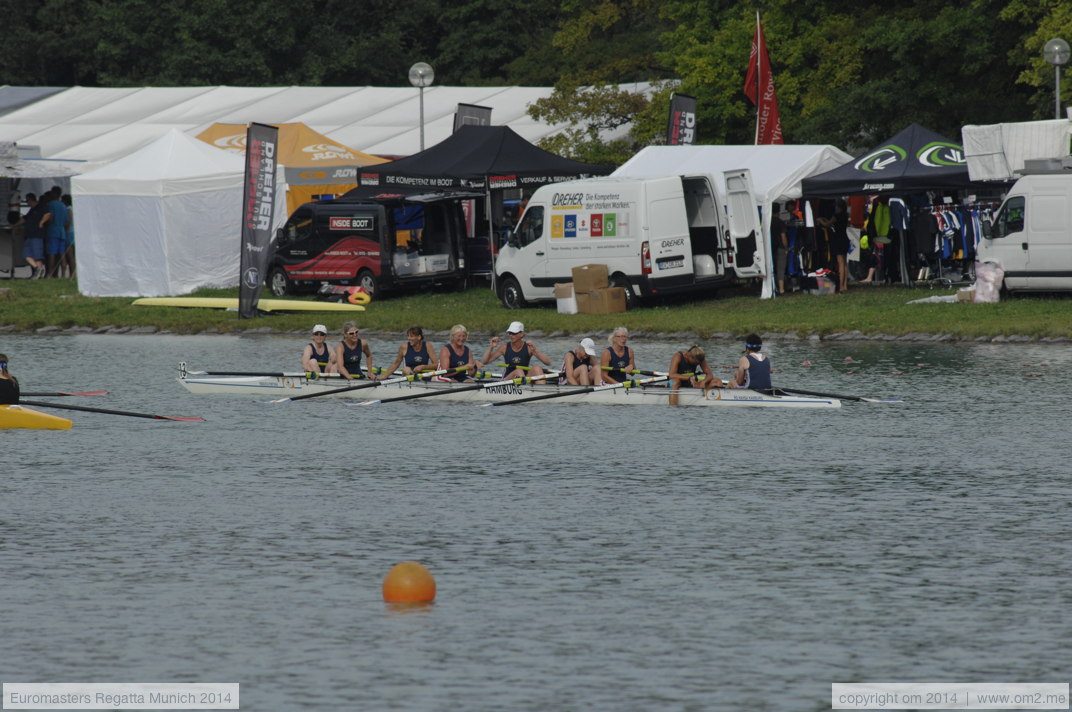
x=232 y=303
x=17 y=416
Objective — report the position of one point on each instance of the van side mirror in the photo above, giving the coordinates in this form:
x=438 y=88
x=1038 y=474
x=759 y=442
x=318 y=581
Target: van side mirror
x=512 y=240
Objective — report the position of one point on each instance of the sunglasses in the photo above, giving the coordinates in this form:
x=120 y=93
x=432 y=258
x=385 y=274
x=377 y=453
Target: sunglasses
x=319 y=333
x=352 y=333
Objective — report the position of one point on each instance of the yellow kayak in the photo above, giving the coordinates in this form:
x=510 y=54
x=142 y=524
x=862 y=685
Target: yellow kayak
x=17 y=416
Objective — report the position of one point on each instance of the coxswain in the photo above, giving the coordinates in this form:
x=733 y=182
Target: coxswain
x=9 y=385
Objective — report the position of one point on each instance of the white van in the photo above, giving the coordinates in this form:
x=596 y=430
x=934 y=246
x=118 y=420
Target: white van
x=655 y=235
x=1031 y=234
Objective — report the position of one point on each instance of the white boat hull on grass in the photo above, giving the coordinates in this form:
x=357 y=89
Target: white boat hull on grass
x=273 y=387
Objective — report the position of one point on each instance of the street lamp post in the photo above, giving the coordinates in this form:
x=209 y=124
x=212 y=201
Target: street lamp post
x=1056 y=52
x=421 y=75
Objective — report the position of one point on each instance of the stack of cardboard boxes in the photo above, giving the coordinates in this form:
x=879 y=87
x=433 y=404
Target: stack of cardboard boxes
x=589 y=293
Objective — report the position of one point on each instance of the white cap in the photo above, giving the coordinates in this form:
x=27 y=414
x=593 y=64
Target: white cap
x=589 y=346
x=320 y=327
x=516 y=327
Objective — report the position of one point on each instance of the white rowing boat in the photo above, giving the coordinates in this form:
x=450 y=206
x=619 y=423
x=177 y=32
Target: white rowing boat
x=275 y=387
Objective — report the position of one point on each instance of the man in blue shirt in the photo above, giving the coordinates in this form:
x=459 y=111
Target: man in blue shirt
x=54 y=226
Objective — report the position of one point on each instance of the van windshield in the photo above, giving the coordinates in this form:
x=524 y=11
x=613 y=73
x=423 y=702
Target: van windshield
x=1011 y=217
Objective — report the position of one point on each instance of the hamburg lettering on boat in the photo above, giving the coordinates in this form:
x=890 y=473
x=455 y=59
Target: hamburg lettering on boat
x=507 y=390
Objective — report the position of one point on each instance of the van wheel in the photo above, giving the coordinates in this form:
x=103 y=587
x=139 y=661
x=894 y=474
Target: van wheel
x=367 y=281
x=620 y=280
x=511 y=295
x=278 y=282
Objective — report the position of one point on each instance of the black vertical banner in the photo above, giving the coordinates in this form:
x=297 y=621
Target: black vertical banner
x=258 y=209
x=681 y=129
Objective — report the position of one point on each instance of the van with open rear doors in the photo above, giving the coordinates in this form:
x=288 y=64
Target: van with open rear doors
x=390 y=243
x=657 y=236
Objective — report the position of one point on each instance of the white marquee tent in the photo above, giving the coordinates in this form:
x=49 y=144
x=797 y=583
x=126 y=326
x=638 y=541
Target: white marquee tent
x=100 y=125
x=776 y=171
x=163 y=221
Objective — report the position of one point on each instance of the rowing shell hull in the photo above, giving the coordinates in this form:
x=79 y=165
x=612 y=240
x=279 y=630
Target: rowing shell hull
x=289 y=387
x=19 y=417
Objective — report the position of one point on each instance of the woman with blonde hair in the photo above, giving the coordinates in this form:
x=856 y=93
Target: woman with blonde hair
x=618 y=360
x=349 y=351
x=455 y=354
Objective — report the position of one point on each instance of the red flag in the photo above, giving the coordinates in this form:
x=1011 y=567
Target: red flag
x=759 y=88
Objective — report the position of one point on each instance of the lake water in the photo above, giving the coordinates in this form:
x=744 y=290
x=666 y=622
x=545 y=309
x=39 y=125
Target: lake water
x=587 y=557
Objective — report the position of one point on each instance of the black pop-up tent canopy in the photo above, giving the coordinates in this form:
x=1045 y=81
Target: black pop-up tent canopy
x=915 y=159
x=492 y=157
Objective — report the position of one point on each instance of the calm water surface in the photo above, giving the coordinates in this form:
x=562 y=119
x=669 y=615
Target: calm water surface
x=587 y=557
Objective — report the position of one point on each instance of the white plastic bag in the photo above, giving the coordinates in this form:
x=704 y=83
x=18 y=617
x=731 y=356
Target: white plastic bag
x=988 y=278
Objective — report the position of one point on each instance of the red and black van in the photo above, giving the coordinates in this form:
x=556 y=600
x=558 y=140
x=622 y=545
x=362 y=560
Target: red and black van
x=390 y=243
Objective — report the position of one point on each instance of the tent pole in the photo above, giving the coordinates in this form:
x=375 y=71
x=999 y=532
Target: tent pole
x=492 y=238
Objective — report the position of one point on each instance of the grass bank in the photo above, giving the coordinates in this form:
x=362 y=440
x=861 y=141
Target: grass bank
x=30 y=305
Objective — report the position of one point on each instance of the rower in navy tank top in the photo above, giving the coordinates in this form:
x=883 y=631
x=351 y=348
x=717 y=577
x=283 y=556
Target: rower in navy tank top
x=455 y=354
x=754 y=368
x=457 y=361
x=515 y=358
x=517 y=353
x=317 y=356
x=351 y=359
x=414 y=356
x=617 y=362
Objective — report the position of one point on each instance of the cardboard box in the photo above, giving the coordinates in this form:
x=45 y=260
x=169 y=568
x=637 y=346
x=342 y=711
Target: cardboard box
x=566 y=302
x=967 y=294
x=588 y=278
x=609 y=300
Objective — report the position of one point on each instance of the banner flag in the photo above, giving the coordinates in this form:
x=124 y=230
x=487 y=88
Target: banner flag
x=467 y=114
x=759 y=88
x=681 y=129
x=258 y=212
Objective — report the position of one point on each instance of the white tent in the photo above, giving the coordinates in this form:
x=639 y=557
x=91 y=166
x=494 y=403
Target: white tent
x=162 y=221
x=776 y=172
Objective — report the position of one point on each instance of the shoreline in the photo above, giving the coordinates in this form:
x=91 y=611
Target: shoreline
x=792 y=336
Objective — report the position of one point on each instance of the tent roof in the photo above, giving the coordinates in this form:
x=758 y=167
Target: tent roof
x=474 y=153
x=776 y=170
x=99 y=125
x=175 y=161
x=915 y=159
x=299 y=145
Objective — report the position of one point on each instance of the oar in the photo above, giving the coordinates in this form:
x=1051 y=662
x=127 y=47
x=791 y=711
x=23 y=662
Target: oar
x=271 y=374
x=110 y=412
x=367 y=384
x=473 y=387
x=799 y=392
x=56 y=395
x=586 y=389
x=637 y=371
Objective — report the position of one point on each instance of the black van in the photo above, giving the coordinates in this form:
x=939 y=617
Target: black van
x=390 y=243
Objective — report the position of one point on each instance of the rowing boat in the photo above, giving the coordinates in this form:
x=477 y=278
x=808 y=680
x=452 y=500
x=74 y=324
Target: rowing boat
x=17 y=416
x=290 y=386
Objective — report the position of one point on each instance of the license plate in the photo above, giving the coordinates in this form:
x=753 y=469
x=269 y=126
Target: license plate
x=671 y=263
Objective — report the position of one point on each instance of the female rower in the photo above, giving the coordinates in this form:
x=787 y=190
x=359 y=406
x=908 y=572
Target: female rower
x=686 y=369
x=9 y=385
x=618 y=360
x=415 y=356
x=455 y=354
x=348 y=353
x=579 y=368
x=516 y=352
x=318 y=357
x=754 y=368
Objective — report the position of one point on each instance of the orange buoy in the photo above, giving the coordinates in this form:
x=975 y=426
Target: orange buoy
x=408 y=582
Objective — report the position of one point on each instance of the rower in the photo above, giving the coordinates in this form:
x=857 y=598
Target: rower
x=686 y=369
x=456 y=355
x=9 y=385
x=618 y=359
x=516 y=352
x=415 y=356
x=318 y=357
x=349 y=351
x=754 y=368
